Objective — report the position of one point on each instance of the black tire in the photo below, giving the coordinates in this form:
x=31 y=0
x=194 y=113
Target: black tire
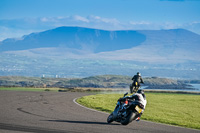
x=128 y=119
x=131 y=89
x=110 y=118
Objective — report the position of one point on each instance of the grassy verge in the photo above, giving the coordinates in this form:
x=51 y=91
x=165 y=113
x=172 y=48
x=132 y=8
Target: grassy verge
x=174 y=109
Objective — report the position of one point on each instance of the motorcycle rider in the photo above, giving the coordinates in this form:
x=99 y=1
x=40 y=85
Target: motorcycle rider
x=140 y=100
x=137 y=79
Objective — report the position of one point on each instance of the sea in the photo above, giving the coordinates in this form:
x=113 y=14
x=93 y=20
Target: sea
x=196 y=88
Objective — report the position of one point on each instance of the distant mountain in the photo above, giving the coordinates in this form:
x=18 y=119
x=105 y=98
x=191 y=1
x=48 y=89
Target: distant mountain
x=76 y=38
x=177 y=45
x=163 y=46
x=80 y=52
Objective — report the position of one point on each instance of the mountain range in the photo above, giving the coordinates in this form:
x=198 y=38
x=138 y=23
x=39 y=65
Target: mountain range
x=80 y=52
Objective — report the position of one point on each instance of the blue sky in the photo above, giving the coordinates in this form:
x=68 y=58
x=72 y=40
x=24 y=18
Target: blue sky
x=20 y=17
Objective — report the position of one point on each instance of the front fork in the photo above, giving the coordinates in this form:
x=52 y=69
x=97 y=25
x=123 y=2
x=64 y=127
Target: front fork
x=115 y=112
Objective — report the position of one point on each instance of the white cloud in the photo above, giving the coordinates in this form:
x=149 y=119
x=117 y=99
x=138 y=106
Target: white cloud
x=195 y=22
x=79 y=18
x=139 y=23
x=44 y=19
x=100 y=20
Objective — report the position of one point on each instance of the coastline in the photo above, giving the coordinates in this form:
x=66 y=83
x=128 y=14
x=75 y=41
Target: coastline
x=172 y=91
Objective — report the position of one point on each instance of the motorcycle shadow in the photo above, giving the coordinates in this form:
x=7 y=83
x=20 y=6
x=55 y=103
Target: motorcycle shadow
x=84 y=122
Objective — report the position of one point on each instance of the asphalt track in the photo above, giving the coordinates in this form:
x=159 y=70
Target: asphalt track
x=55 y=112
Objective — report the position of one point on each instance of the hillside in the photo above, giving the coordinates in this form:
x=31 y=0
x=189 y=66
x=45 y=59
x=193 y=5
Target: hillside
x=102 y=81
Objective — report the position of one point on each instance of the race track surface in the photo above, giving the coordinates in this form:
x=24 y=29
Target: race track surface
x=55 y=112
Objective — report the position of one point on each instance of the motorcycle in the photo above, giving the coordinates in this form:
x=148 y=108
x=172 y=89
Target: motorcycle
x=134 y=87
x=123 y=114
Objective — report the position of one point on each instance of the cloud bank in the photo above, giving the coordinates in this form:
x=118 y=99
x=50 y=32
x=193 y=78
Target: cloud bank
x=18 y=27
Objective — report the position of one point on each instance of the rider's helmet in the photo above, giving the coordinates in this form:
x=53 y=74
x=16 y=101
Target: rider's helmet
x=140 y=91
x=138 y=74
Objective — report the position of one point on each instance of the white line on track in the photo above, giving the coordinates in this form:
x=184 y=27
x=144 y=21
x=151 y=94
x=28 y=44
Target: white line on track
x=87 y=107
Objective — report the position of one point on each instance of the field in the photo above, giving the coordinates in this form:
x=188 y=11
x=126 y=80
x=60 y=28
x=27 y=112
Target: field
x=174 y=109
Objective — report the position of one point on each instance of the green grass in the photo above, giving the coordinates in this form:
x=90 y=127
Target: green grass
x=174 y=109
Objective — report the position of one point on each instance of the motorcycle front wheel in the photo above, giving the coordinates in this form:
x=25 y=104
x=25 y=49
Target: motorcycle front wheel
x=110 y=118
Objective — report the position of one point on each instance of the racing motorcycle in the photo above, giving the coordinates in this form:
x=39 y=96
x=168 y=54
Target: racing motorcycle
x=134 y=87
x=123 y=114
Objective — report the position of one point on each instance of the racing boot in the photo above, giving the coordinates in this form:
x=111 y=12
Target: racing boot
x=138 y=119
